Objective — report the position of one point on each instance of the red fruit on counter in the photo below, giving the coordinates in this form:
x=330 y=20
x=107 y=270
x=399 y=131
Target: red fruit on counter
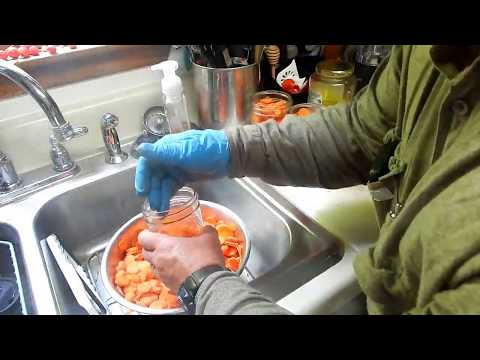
x=23 y=50
x=13 y=52
x=3 y=55
x=52 y=49
x=289 y=86
x=33 y=50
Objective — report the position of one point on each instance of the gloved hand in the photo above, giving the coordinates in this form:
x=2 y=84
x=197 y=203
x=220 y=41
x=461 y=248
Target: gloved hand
x=176 y=159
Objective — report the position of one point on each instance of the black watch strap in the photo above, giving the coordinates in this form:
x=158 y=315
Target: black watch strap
x=188 y=290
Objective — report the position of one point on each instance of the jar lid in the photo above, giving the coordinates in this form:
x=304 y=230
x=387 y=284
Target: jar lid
x=334 y=69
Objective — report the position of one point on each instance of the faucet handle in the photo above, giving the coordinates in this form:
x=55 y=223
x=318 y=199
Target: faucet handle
x=80 y=131
x=67 y=132
x=9 y=179
x=113 y=149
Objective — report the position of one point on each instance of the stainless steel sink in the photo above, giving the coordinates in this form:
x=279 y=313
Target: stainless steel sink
x=10 y=235
x=288 y=248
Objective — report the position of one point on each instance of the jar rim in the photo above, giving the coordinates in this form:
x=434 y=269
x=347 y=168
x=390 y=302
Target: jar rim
x=188 y=207
x=274 y=92
x=334 y=69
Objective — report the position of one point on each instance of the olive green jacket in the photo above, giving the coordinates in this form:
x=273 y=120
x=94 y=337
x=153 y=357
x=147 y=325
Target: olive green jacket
x=427 y=257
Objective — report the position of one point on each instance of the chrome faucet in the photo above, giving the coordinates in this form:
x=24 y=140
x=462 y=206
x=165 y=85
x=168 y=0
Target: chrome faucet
x=62 y=129
x=9 y=180
x=113 y=152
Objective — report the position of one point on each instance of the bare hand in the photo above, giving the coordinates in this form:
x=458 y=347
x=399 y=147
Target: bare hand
x=176 y=258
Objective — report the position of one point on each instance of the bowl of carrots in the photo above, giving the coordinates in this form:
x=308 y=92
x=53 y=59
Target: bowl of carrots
x=132 y=281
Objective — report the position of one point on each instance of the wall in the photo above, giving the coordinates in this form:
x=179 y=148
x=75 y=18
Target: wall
x=24 y=129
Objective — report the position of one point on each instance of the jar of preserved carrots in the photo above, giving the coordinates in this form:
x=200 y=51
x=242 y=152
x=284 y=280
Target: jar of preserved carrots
x=270 y=104
x=183 y=218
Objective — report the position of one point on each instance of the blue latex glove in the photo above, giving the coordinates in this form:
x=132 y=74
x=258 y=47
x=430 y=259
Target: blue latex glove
x=176 y=159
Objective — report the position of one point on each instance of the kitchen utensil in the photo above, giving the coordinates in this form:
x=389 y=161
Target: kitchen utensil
x=113 y=255
x=239 y=54
x=208 y=55
x=73 y=279
x=223 y=96
x=219 y=54
x=258 y=53
x=83 y=276
x=272 y=52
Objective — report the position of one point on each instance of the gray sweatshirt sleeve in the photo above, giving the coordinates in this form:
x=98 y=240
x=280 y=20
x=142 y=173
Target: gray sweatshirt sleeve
x=225 y=293
x=332 y=149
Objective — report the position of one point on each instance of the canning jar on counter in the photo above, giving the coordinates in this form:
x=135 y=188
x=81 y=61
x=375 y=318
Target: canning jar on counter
x=184 y=218
x=332 y=82
x=270 y=104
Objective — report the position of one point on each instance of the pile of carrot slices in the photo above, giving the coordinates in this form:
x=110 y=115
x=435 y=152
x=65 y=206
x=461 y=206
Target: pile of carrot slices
x=134 y=276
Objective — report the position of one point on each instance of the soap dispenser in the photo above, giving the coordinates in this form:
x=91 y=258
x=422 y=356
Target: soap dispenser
x=175 y=103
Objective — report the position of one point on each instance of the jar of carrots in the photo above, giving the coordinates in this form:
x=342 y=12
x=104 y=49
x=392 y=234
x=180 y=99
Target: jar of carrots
x=183 y=218
x=270 y=104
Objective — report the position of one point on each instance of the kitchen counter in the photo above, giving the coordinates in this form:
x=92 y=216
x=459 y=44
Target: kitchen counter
x=348 y=214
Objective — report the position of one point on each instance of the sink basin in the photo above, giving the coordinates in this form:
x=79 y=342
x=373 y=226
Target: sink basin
x=9 y=235
x=288 y=248
x=285 y=252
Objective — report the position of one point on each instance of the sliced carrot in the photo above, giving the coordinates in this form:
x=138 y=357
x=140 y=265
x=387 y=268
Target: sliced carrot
x=144 y=287
x=129 y=259
x=159 y=304
x=232 y=263
x=225 y=230
x=120 y=266
x=147 y=299
x=233 y=239
x=132 y=267
x=230 y=251
x=132 y=250
x=304 y=112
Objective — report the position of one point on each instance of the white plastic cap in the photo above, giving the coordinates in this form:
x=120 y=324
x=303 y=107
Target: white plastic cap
x=171 y=82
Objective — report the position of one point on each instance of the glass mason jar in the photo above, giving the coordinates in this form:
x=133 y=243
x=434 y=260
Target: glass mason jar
x=184 y=218
x=305 y=109
x=333 y=82
x=270 y=104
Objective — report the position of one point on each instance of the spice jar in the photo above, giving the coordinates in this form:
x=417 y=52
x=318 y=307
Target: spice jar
x=183 y=218
x=333 y=82
x=270 y=104
x=305 y=109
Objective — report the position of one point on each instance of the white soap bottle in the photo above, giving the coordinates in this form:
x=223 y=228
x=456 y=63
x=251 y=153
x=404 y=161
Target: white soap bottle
x=175 y=104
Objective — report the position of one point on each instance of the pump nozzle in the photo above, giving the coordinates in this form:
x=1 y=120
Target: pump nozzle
x=171 y=83
x=167 y=67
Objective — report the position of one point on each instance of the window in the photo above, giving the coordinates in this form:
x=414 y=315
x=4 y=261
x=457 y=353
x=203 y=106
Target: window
x=72 y=64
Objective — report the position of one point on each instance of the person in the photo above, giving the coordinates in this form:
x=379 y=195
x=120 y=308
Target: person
x=411 y=135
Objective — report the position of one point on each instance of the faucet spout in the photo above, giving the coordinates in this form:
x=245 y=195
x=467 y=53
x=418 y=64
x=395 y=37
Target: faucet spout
x=62 y=129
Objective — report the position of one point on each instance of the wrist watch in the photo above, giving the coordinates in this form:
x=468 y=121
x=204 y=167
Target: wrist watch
x=187 y=292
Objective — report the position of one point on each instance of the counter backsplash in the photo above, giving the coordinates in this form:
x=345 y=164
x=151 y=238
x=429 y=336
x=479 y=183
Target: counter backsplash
x=24 y=129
